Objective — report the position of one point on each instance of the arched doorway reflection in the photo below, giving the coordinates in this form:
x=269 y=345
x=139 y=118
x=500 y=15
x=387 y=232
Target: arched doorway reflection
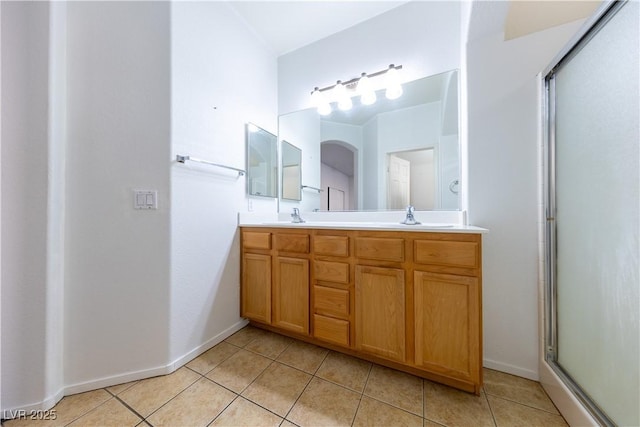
x=338 y=176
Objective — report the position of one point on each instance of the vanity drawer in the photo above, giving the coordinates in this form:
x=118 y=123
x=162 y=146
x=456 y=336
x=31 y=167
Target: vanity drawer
x=331 y=301
x=380 y=248
x=337 y=272
x=256 y=240
x=456 y=254
x=292 y=243
x=331 y=245
x=332 y=330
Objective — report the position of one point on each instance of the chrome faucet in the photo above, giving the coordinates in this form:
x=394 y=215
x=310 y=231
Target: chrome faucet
x=295 y=216
x=410 y=219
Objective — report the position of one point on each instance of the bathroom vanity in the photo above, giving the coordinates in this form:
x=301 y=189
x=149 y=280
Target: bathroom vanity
x=406 y=297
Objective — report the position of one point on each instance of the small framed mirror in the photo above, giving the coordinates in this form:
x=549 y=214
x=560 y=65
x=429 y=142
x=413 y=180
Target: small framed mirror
x=262 y=162
x=291 y=172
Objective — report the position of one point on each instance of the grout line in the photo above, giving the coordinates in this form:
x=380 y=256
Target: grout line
x=143 y=419
x=176 y=395
x=523 y=404
x=224 y=409
x=493 y=417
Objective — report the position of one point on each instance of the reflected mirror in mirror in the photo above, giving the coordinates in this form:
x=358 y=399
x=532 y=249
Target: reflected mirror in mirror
x=262 y=162
x=392 y=153
x=291 y=172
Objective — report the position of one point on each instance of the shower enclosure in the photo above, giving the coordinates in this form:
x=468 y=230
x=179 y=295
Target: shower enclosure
x=592 y=296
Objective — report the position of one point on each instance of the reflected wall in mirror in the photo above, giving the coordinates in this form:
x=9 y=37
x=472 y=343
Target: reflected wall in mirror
x=262 y=162
x=291 y=172
x=395 y=152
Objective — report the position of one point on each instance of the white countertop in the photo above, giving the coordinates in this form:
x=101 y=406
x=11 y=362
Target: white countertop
x=380 y=222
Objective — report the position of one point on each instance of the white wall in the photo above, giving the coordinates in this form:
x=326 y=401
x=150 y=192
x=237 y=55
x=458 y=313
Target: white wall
x=31 y=325
x=117 y=258
x=503 y=185
x=422 y=36
x=395 y=135
x=216 y=62
x=302 y=129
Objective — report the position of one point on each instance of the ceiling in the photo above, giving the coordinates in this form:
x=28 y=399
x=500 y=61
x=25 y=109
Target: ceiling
x=285 y=26
x=288 y=25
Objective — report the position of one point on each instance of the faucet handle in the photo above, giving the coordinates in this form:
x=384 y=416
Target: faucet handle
x=410 y=219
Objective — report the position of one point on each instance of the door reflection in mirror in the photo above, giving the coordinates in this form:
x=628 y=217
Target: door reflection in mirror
x=411 y=179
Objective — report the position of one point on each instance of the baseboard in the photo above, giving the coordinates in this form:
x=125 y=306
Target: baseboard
x=511 y=369
x=186 y=358
x=568 y=405
x=160 y=370
x=109 y=381
x=44 y=405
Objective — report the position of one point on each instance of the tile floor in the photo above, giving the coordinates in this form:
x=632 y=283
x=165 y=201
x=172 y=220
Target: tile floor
x=257 y=378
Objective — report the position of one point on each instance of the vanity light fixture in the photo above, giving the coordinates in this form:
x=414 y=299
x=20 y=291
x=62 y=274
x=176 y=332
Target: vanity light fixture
x=364 y=86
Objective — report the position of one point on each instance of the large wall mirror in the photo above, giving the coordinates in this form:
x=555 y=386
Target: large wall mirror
x=389 y=154
x=262 y=162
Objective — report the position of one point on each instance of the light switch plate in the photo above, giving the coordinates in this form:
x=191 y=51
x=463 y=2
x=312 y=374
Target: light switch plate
x=145 y=199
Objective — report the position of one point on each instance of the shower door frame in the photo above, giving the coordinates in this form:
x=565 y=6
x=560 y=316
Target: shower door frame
x=550 y=351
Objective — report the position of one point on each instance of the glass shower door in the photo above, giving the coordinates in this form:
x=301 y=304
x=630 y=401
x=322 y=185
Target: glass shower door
x=594 y=218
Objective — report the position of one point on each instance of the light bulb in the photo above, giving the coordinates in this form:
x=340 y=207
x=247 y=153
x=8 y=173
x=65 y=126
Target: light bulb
x=324 y=109
x=344 y=100
x=316 y=97
x=367 y=94
x=394 y=88
x=318 y=100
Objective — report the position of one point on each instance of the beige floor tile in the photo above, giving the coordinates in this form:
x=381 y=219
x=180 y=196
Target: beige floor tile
x=508 y=413
x=324 y=404
x=269 y=345
x=303 y=356
x=239 y=370
x=453 y=407
x=119 y=388
x=112 y=413
x=245 y=335
x=198 y=405
x=67 y=410
x=212 y=357
x=375 y=413
x=395 y=388
x=429 y=423
x=144 y=424
x=243 y=413
x=518 y=389
x=277 y=388
x=286 y=423
x=345 y=370
x=150 y=394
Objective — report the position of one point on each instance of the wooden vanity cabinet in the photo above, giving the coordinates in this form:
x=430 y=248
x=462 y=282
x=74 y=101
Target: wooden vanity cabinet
x=275 y=279
x=332 y=288
x=408 y=300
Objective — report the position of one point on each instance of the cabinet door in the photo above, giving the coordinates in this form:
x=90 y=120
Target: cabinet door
x=256 y=287
x=291 y=294
x=380 y=311
x=447 y=324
